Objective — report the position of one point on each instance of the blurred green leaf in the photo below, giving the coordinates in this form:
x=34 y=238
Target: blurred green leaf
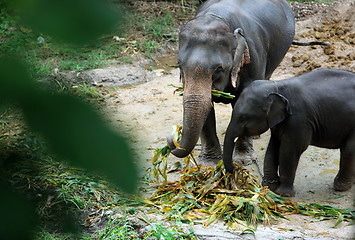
x=15 y=83
x=73 y=130
x=77 y=133
x=18 y=218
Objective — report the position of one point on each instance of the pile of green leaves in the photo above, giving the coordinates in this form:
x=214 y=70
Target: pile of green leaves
x=206 y=194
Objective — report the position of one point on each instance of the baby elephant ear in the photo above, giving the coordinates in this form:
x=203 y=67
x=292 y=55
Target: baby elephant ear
x=241 y=55
x=279 y=109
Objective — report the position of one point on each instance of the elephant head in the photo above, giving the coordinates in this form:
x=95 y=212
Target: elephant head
x=258 y=109
x=210 y=56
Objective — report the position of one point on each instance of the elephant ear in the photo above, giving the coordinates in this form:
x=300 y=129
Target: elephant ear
x=279 y=109
x=241 y=56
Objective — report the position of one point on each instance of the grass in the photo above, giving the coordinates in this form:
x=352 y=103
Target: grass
x=86 y=91
x=120 y=229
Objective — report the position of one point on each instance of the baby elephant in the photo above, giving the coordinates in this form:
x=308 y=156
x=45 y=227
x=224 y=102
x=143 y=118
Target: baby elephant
x=316 y=108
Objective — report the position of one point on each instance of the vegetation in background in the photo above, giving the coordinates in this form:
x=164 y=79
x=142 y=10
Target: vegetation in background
x=45 y=54
x=141 y=34
x=71 y=129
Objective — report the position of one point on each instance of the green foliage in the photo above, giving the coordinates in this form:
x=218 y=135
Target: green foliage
x=160 y=27
x=44 y=235
x=151 y=31
x=206 y=194
x=77 y=22
x=144 y=33
x=73 y=130
x=42 y=34
x=85 y=90
x=325 y=212
x=122 y=229
x=60 y=188
x=118 y=229
x=70 y=127
x=44 y=53
x=158 y=231
x=17 y=213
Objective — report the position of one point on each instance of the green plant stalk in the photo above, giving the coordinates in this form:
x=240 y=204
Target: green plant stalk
x=215 y=92
x=159 y=159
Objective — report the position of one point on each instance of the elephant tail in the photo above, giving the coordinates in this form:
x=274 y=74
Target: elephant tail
x=298 y=43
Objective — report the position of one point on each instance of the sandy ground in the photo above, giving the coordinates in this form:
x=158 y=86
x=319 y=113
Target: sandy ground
x=147 y=110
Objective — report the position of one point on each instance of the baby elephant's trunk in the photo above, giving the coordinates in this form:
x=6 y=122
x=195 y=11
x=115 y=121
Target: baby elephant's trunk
x=229 y=148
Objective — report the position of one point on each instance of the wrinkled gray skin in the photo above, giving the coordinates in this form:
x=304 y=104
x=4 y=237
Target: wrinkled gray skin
x=317 y=109
x=228 y=44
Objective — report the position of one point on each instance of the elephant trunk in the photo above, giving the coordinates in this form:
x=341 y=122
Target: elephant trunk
x=196 y=109
x=228 y=148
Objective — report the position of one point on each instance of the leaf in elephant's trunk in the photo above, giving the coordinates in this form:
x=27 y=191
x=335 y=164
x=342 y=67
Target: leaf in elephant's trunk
x=218 y=93
x=215 y=92
x=176 y=135
x=159 y=159
x=179 y=90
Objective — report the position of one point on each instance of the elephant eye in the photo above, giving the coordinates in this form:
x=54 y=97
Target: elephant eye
x=219 y=70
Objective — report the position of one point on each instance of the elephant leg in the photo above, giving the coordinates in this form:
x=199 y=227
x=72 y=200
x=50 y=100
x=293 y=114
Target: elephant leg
x=271 y=164
x=289 y=156
x=345 y=177
x=211 y=148
x=244 y=153
x=288 y=169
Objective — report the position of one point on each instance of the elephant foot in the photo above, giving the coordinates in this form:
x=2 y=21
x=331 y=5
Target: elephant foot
x=244 y=153
x=244 y=158
x=341 y=185
x=285 y=191
x=209 y=159
x=272 y=184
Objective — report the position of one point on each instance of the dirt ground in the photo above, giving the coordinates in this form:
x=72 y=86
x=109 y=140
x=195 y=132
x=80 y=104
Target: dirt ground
x=147 y=109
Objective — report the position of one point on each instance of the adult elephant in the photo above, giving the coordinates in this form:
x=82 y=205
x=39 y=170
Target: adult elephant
x=228 y=44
